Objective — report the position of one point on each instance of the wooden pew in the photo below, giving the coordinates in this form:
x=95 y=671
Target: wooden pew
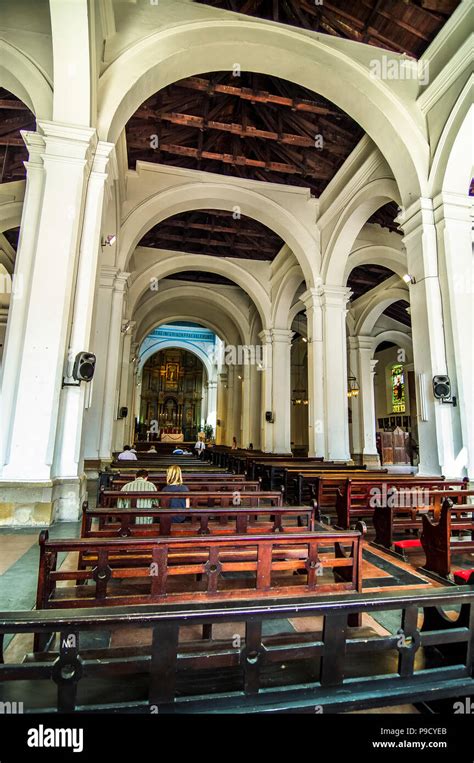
x=202 y=484
x=263 y=672
x=158 y=570
x=437 y=538
x=299 y=484
x=402 y=513
x=272 y=470
x=129 y=473
x=203 y=521
x=359 y=499
x=196 y=498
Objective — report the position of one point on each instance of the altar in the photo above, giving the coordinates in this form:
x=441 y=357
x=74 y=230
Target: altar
x=171 y=435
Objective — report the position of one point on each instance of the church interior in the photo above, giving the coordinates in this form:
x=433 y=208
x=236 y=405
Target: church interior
x=236 y=263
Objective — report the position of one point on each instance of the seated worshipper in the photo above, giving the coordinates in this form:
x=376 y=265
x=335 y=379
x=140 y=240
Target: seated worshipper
x=178 y=452
x=174 y=484
x=200 y=447
x=127 y=454
x=234 y=443
x=138 y=485
x=152 y=449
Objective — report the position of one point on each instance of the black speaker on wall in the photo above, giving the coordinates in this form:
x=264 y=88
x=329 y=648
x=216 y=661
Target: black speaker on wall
x=269 y=417
x=123 y=413
x=442 y=389
x=84 y=366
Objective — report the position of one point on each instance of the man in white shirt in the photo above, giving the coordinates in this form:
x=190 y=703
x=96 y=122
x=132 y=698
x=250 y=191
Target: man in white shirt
x=139 y=485
x=200 y=448
x=127 y=454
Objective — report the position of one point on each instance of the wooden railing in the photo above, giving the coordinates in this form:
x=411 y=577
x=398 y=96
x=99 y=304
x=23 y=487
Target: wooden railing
x=332 y=668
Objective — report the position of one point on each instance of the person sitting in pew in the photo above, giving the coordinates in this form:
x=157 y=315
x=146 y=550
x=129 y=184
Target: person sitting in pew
x=174 y=484
x=127 y=454
x=152 y=449
x=138 y=485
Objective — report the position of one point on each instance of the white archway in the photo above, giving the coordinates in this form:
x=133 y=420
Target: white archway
x=373 y=310
x=307 y=59
x=370 y=198
x=163 y=344
x=376 y=254
x=21 y=76
x=396 y=337
x=176 y=262
x=223 y=196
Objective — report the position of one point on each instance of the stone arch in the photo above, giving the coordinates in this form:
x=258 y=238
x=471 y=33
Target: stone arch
x=201 y=297
x=360 y=208
x=225 y=196
x=450 y=169
x=300 y=57
x=376 y=254
x=373 y=310
x=10 y=215
x=285 y=296
x=176 y=262
x=396 y=337
x=22 y=77
x=188 y=346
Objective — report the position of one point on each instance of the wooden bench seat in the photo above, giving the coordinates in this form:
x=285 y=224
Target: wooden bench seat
x=200 y=521
x=358 y=499
x=392 y=520
x=438 y=540
x=201 y=485
x=195 y=498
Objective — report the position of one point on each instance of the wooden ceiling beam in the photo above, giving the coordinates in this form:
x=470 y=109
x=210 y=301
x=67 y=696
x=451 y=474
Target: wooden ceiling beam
x=257 y=96
x=226 y=158
x=215 y=228
x=194 y=241
x=6 y=103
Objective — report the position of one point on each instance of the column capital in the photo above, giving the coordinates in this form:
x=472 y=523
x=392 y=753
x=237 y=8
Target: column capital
x=361 y=342
x=282 y=335
x=412 y=219
x=120 y=281
x=107 y=276
x=334 y=296
x=265 y=336
x=69 y=143
x=311 y=297
x=373 y=363
x=452 y=206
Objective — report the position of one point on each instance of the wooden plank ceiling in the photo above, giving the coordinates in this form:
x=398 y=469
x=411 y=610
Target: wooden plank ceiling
x=402 y=26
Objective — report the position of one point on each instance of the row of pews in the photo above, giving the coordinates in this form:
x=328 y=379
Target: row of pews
x=211 y=588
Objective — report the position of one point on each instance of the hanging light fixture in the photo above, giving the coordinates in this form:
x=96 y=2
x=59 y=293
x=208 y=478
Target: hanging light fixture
x=352 y=387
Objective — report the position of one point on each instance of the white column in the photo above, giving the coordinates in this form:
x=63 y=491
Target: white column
x=246 y=404
x=363 y=406
x=121 y=434
x=334 y=308
x=281 y=381
x=68 y=458
x=454 y=229
x=222 y=409
x=34 y=378
x=266 y=437
x=112 y=366
x=316 y=439
x=230 y=423
x=3 y=330
x=435 y=431
x=212 y=404
x=100 y=338
x=255 y=407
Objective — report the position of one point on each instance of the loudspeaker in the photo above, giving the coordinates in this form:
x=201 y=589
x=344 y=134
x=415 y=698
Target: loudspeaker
x=269 y=417
x=84 y=366
x=441 y=387
x=123 y=412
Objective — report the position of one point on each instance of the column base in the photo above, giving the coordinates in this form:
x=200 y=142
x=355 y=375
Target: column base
x=366 y=459
x=36 y=504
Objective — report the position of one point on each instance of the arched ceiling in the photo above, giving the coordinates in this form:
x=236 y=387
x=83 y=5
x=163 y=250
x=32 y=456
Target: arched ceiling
x=403 y=26
x=14 y=116
x=215 y=232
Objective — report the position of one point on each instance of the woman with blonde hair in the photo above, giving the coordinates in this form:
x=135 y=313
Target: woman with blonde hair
x=174 y=484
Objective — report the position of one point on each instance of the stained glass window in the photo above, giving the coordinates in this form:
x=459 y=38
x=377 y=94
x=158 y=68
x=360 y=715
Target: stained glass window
x=398 y=389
